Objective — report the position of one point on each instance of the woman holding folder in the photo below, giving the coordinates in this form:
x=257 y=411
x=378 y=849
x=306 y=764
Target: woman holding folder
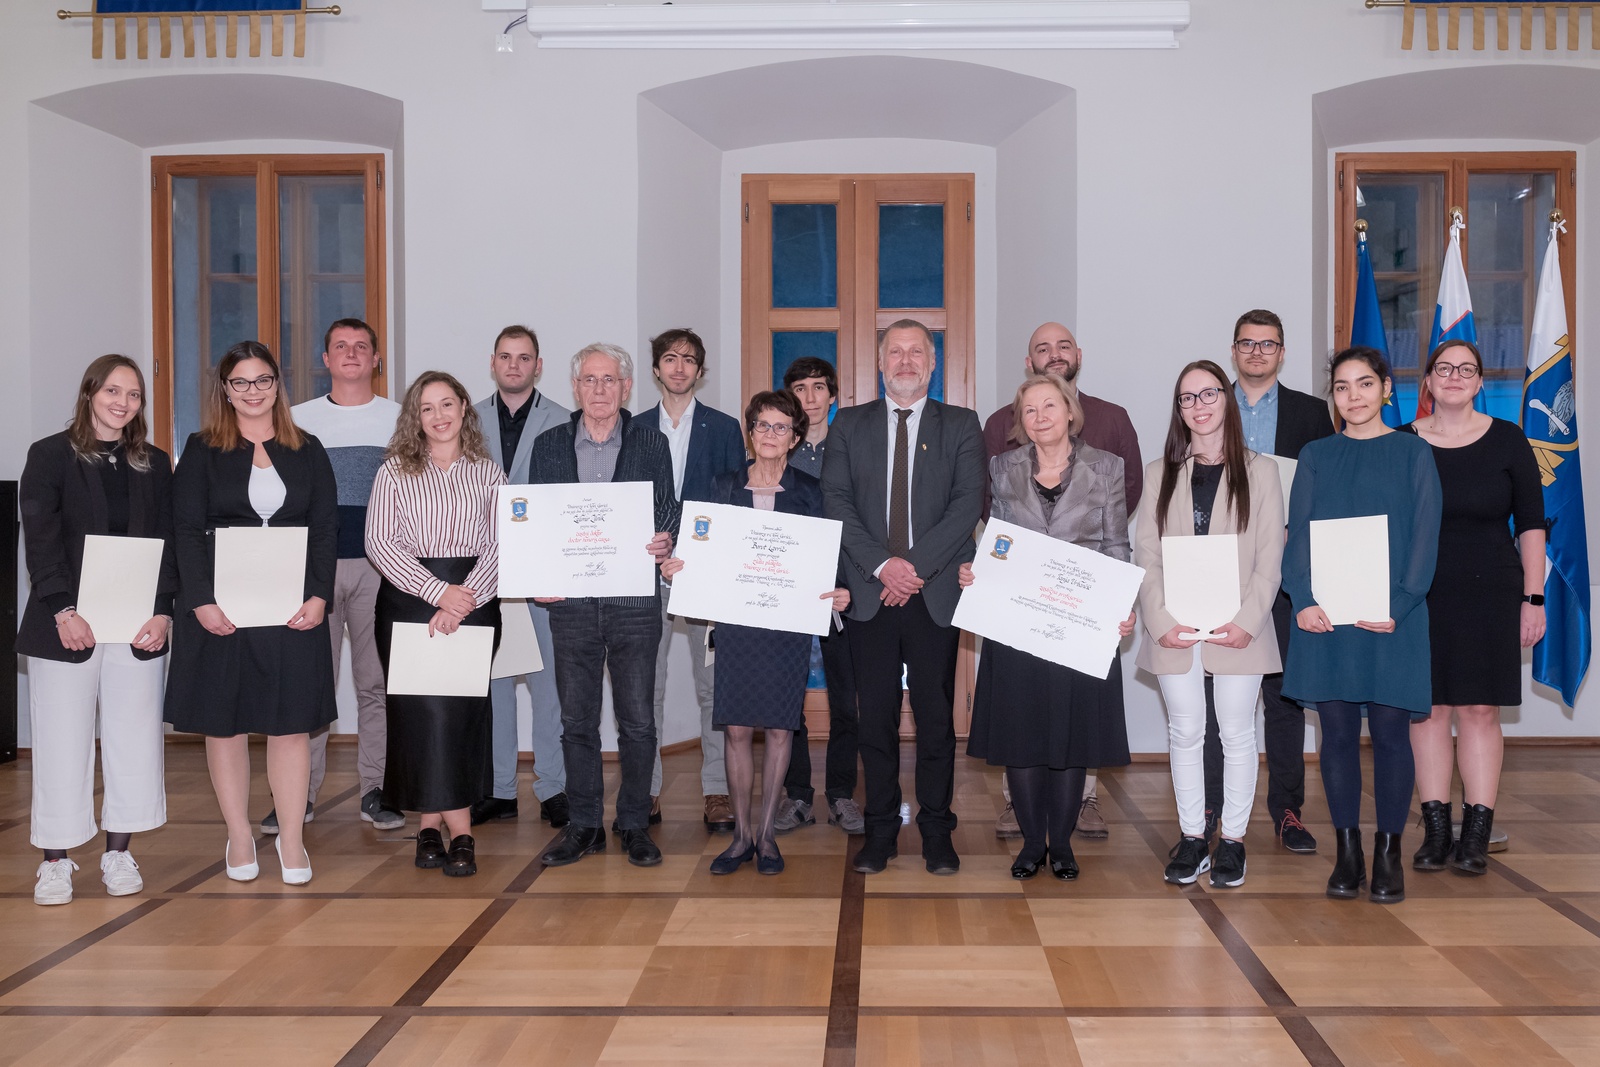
x=431 y=535
x=1374 y=668
x=99 y=477
x=1211 y=484
x=1046 y=724
x=250 y=466
x=761 y=674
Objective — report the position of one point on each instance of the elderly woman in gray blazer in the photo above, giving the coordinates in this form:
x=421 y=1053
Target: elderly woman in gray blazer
x=1210 y=484
x=1046 y=724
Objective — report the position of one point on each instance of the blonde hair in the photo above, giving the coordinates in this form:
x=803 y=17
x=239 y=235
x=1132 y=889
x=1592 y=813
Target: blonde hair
x=1069 y=397
x=409 y=445
x=219 y=423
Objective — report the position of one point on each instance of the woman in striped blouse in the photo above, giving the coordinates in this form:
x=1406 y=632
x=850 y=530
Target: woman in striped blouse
x=431 y=535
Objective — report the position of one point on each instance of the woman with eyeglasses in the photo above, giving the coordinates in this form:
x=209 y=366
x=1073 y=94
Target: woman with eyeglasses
x=99 y=477
x=1485 y=606
x=251 y=466
x=1211 y=484
x=1375 y=669
x=761 y=674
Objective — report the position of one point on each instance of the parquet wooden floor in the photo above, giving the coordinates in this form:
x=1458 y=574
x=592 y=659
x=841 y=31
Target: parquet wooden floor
x=376 y=962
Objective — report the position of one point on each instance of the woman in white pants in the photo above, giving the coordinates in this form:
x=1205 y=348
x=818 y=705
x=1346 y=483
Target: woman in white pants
x=1210 y=484
x=99 y=477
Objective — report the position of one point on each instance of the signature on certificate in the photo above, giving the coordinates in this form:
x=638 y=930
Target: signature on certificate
x=594 y=568
x=764 y=601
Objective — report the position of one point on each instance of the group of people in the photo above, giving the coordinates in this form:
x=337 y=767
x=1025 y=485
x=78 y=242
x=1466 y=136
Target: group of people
x=398 y=504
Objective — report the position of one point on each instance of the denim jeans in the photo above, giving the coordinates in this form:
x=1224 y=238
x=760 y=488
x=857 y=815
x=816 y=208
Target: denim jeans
x=590 y=636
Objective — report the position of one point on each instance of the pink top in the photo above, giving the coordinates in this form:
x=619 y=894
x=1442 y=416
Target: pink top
x=766 y=496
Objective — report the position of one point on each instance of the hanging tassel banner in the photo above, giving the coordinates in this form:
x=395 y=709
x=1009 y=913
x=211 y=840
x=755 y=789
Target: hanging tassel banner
x=263 y=18
x=1478 y=14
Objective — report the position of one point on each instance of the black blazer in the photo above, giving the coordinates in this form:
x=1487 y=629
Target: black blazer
x=62 y=501
x=801 y=495
x=212 y=489
x=644 y=457
x=1302 y=418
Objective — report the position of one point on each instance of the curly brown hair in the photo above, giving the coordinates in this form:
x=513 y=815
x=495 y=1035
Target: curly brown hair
x=409 y=445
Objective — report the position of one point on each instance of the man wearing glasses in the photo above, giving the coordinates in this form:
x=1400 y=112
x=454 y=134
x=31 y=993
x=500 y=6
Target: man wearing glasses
x=1278 y=421
x=602 y=442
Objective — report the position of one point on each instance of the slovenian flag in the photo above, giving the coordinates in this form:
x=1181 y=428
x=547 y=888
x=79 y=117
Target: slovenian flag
x=1550 y=421
x=1366 y=324
x=1452 y=315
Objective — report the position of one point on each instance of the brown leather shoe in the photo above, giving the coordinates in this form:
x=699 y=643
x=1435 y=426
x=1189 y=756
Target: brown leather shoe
x=719 y=814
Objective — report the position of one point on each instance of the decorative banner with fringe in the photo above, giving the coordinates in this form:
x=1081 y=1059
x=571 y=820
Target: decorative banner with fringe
x=256 y=15
x=1479 y=14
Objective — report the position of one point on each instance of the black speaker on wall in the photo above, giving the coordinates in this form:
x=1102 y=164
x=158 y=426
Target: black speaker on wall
x=8 y=618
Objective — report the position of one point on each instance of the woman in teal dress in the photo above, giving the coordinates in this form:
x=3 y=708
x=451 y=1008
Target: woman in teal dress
x=1378 y=668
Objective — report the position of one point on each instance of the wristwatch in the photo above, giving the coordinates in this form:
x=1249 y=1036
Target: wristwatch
x=1536 y=599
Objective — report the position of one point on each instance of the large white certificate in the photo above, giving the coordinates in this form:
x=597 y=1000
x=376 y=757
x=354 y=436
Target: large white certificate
x=519 y=642
x=1200 y=580
x=117 y=585
x=444 y=665
x=1049 y=598
x=260 y=574
x=756 y=568
x=1350 y=568
x=576 y=539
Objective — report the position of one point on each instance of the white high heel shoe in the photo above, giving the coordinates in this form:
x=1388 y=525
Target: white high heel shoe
x=245 y=873
x=293 y=875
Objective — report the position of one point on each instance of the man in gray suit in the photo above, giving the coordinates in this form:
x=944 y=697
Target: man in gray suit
x=905 y=476
x=512 y=418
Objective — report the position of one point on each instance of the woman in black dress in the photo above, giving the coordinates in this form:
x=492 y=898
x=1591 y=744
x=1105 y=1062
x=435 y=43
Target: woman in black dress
x=1045 y=723
x=761 y=674
x=431 y=534
x=251 y=466
x=99 y=477
x=1485 y=606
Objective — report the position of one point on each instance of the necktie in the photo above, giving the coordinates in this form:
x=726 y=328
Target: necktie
x=900 y=489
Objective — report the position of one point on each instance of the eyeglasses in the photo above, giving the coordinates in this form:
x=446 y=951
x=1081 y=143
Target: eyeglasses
x=1467 y=371
x=590 y=382
x=1266 y=348
x=775 y=429
x=1204 y=396
x=262 y=384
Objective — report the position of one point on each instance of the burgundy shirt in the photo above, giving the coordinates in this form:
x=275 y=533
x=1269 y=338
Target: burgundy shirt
x=1106 y=427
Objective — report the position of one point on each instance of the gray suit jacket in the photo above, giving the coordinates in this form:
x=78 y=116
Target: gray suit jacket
x=947 y=481
x=544 y=414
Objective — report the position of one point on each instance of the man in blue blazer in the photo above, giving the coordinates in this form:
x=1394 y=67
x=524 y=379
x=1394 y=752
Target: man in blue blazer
x=905 y=475
x=512 y=417
x=704 y=444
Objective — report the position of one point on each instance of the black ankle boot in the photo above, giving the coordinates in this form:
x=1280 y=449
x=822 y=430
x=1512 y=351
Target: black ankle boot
x=1472 y=852
x=1388 y=872
x=1349 y=866
x=1437 y=838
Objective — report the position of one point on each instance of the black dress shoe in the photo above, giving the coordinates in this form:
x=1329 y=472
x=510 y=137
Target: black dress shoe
x=940 y=855
x=1062 y=866
x=430 y=849
x=556 y=811
x=493 y=808
x=574 y=843
x=875 y=855
x=1437 y=837
x=1472 y=851
x=729 y=860
x=462 y=860
x=1349 y=865
x=1022 y=869
x=642 y=852
x=1388 y=870
x=769 y=863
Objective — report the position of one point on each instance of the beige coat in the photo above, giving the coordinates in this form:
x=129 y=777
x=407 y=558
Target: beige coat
x=1260 y=560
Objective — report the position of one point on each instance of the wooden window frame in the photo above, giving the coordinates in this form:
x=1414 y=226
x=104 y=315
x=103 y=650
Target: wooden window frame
x=266 y=169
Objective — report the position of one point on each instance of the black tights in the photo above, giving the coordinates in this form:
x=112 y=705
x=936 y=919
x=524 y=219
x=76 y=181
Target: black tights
x=1393 y=772
x=115 y=842
x=739 y=752
x=1046 y=802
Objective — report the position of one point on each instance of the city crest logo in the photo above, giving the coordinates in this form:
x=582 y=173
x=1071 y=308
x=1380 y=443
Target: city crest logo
x=702 y=528
x=1002 y=545
x=519 y=509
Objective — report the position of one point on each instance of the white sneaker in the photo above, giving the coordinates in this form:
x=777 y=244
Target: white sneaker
x=55 y=882
x=120 y=873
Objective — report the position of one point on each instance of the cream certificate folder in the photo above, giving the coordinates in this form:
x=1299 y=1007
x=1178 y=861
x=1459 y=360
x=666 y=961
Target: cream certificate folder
x=576 y=539
x=1286 y=469
x=1200 y=581
x=444 y=665
x=117 y=586
x=756 y=568
x=1350 y=568
x=1048 y=598
x=260 y=575
x=519 y=643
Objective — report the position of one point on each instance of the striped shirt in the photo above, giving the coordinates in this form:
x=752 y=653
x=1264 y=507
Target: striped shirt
x=438 y=513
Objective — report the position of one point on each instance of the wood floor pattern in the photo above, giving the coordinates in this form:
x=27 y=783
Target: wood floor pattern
x=600 y=963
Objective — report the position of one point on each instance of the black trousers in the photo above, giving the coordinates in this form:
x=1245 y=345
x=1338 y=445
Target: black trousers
x=839 y=775
x=1285 y=735
x=906 y=635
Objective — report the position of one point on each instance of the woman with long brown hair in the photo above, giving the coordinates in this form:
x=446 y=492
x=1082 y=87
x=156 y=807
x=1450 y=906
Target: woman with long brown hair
x=1211 y=484
x=251 y=466
x=431 y=535
x=99 y=477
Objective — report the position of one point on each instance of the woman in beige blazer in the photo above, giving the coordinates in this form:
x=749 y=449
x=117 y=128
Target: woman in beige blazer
x=1211 y=484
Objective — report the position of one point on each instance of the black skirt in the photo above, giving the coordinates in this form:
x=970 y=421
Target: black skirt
x=440 y=754
x=760 y=677
x=1028 y=712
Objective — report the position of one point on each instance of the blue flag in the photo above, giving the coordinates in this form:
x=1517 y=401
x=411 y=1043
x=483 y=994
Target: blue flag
x=1452 y=314
x=1550 y=422
x=1366 y=324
